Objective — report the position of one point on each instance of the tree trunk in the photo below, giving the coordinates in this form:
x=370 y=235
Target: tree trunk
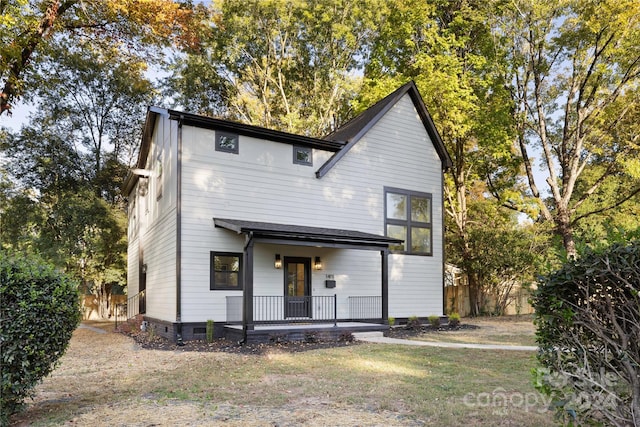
x=565 y=229
x=475 y=295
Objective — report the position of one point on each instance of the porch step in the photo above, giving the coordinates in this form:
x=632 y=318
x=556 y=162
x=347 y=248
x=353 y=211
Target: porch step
x=364 y=335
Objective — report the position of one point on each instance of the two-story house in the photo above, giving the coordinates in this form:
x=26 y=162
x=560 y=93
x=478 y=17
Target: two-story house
x=262 y=230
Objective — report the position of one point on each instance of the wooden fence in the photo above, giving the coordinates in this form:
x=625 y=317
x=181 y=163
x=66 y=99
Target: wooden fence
x=95 y=309
x=457 y=300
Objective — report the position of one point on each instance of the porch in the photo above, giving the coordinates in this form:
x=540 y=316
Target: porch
x=278 y=317
x=300 y=332
x=297 y=306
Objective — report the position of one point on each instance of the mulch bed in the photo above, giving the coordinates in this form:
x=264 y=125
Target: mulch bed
x=402 y=332
x=148 y=341
x=226 y=346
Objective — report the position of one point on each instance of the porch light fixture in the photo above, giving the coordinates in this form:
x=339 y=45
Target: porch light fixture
x=278 y=262
x=317 y=264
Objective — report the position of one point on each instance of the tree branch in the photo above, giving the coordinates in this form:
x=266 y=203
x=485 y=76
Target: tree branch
x=18 y=65
x=607 y=208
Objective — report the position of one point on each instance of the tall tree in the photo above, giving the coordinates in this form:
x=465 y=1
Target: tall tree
x=281 y=64
x=96 y=96
x=67 y=165
x=575 y=73
x=447 y=48
x=28 y=27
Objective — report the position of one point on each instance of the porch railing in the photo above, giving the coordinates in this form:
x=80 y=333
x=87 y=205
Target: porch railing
x=308 y=309
x=365 y=307
x=284 y=309
x=136 y=304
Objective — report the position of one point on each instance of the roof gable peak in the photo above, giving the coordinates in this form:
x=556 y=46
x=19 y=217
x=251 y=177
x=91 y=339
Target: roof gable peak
x=352 y=131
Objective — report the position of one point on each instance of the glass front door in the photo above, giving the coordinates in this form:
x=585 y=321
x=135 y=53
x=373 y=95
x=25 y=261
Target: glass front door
x=297 y=283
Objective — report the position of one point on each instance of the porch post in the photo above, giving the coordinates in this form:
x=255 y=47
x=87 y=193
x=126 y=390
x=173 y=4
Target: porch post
x=247 y=293
x=385 y=285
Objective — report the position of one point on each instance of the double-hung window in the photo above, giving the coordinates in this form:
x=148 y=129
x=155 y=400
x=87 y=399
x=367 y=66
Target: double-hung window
x=408 y=217
x=226 y=271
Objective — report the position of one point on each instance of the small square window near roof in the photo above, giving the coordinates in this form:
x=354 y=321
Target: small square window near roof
x=302 y=156
x=227 y=142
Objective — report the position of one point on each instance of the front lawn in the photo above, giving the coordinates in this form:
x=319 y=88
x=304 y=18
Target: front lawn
x=107 y=379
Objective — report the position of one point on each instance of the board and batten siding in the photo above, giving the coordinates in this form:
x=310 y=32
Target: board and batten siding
x=133 y=270
x=262 y=183
x=154 y=229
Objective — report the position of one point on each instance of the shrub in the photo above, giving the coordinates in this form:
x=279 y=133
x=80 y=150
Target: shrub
x=39 y=310
x=588 y=331
x=413 y=322
x=346 y=336
x=454 y=319
x=311 y=337
x=210 y=330
x=391 y=320
x=434 y=321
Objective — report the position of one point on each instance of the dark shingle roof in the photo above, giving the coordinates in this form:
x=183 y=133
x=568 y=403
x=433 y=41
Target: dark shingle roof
x=305 y=233
x=363 y=121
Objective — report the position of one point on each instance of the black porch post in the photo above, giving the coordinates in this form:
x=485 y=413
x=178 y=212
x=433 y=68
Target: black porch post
x=247 y=293
x=385 y=285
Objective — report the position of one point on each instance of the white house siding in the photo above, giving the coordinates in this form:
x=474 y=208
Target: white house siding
x=155 y=231
x=262 y=183
x=397 y=153
x=356 y=272
x=160 y=257
x=133 y=270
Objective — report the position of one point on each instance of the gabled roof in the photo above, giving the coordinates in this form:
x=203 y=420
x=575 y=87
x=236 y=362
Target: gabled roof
x=351 y=132
x=303 y=235
x=340 y=141
x=206 y=122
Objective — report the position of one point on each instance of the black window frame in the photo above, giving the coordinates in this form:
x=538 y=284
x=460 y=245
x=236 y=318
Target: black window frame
x=212 y=271
x=408 y=222
x=219 y=134
x=297 y=149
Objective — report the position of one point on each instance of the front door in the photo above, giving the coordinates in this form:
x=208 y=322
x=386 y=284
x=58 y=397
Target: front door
x=297 y=287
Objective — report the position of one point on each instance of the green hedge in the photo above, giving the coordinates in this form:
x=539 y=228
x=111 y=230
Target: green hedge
x=588 y=331
x=39 y=310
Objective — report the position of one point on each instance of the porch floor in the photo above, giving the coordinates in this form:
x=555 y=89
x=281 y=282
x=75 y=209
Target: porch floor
x=299 y=332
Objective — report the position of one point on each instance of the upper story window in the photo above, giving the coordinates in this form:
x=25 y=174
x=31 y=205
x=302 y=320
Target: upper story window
x=226 y=271
x=302 y=156
x=227 y=142
x=408 y=217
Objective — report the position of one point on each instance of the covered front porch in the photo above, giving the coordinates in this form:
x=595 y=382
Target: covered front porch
x=300 y=332
x=293 y=312
x=302 y=318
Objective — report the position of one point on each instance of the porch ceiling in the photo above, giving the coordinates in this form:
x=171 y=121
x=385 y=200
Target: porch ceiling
x=306 y=236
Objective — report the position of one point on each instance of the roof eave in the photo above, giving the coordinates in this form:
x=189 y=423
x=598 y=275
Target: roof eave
x=150 y=122
x=205 y=122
